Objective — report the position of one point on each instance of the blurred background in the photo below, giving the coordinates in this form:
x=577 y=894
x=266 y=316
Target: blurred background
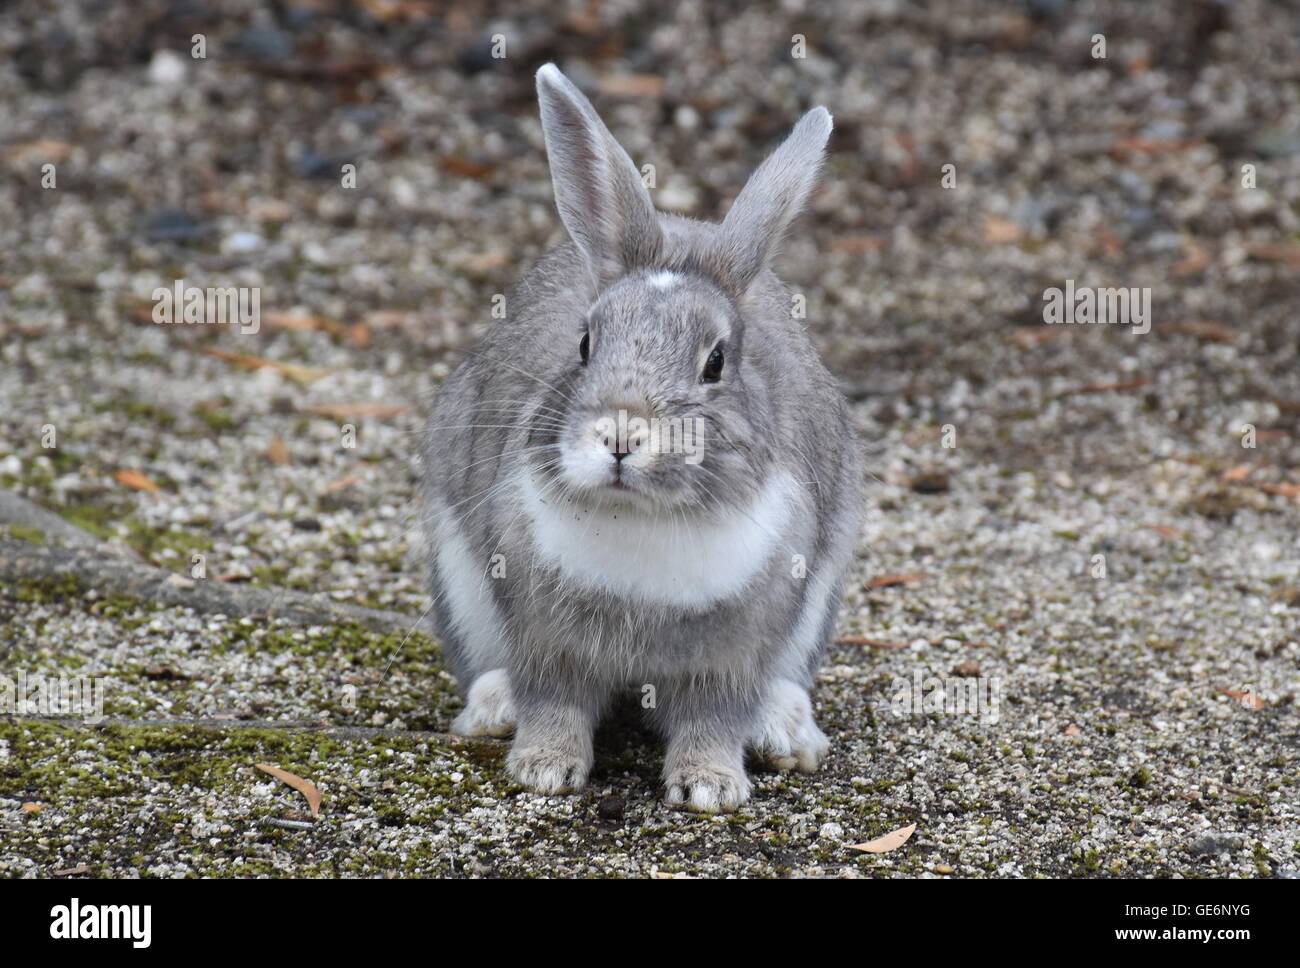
x=1173 y=162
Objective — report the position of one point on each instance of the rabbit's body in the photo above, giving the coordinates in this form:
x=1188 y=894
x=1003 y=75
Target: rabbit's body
x=708 y=589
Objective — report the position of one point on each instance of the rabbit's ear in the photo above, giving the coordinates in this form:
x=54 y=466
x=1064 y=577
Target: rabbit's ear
x=774 y=195
x=601 y=198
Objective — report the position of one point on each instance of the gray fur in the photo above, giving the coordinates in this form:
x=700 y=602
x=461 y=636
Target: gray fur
x=725 y=675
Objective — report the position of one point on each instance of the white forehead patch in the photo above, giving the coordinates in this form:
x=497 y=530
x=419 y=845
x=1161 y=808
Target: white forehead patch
x=664 y=279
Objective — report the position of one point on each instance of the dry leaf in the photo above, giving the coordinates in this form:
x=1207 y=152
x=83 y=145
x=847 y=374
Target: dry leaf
x=351 y=411
x=388 y=319
x=482 y=263
x=1238 y=473
x=1204 y=329
x=1246 y=698
x=37 y=152
x=33 y=807
x=360 y=336
x=1072 y=730
x=277 y=452
x=298 y=783
x=135 y=480
x=467 y=167
x=631 y=85
x=342 y=484
x=304 y=323
x=1197 y=258
x=869 y=643
x=245 y=361
x=1285 y=252
x=891 y=841
x=1000 y=231
x=1165 y=531
x=68 y=871
x=857 y=244
x=889 y=581
x=1281 y=490
x=1027 y=338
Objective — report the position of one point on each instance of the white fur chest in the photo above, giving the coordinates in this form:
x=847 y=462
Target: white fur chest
x=690 y=563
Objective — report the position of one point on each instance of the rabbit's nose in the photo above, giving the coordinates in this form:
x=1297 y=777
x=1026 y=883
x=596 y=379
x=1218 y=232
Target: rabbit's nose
x=623 y=433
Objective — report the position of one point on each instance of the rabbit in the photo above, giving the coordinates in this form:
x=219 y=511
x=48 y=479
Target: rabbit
x=575 y=558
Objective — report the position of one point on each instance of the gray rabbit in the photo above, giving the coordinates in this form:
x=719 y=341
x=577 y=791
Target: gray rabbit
x=645 y=480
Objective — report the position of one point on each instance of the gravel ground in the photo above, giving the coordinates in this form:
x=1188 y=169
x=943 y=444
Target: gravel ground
x=1142 y=718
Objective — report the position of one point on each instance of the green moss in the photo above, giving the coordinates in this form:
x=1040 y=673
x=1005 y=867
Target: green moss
x=23 y=533
x=216 y=416
x=93 y=518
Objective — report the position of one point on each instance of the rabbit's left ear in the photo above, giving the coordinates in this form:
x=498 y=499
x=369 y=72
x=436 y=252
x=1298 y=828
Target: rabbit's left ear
x=602 y=200
x=751 y=233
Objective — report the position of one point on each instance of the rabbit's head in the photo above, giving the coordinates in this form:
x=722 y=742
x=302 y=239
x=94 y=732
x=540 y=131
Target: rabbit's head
x=661 y=404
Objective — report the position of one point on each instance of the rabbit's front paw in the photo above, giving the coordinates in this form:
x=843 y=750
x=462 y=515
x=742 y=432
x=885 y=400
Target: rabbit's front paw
x=786 y=737
x=548 y=770
x=489 y=707
x=707 y=787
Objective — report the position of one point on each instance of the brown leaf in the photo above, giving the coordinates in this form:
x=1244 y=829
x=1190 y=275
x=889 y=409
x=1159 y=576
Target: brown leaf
x=390 y=11
x=342 y=484
x=70 y=871
x=278 y=452
x=869 y=643
x=298 y=783
x=388 y=319
x=1238 y=473
x=857 y=244
x=1285 y=252
x=466 y=167
x=245 y=361
x=1284 y=489
x=890 y=841
x=1197 y=258
x=889 y=581
x=135 y=480
x=483 y=263
x=631 y=85
x=1245 y=697
x=1072 y=730
x=37 y=152
x=1206 y=330
x=359 y=335
x=970 y=669
x=33 y=807
x=1165 y=531
x=304 y=323
x=351 y=411
x=1027 y=338
x=1000 y=231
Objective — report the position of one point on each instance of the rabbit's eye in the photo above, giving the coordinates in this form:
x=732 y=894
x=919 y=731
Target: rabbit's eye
x=584 y=346
x=713 y=366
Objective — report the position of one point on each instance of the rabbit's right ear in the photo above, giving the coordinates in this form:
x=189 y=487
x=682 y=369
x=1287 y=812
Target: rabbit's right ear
x=599 y=193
